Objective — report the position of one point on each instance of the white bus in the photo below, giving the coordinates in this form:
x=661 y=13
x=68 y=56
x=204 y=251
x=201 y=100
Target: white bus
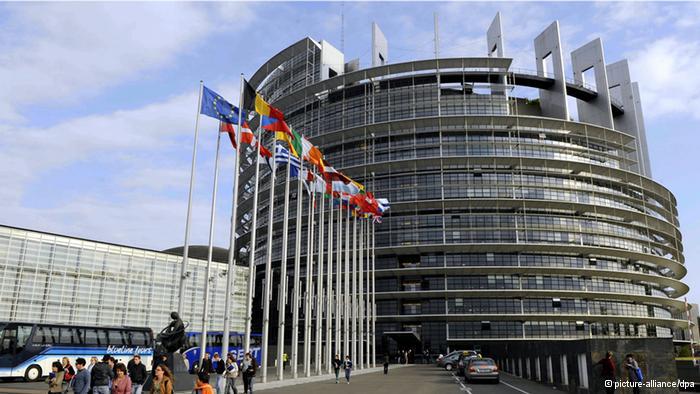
x=28 y=349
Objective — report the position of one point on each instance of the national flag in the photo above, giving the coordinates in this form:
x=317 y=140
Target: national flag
x=317 y=184
x=265 y=109
x=273 y=124
x=311 y=153
x=217 y=107
x=331 y=174
x=296 y=144
x=247 y=137
x=249 y=95
x=345 y=188
x=282 y=157
x=280 y=136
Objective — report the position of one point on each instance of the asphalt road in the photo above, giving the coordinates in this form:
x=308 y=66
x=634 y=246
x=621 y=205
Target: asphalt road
x=419 y=379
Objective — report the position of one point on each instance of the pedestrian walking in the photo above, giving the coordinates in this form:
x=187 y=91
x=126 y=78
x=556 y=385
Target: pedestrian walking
x=81 y=381
x=202 y=386
x=101 y=376
x=68 y=372
x=55 y=379
x=162 y=380
x=160 y=360
x=337 y=364
x=347 y=365
x=231 y=374
x=219 y=369
x=137 y=373
x=206 y=364
x=93 y=361
x=608 y=372
x=386 y=364
x=285 y=360
x=121 y=383
x=248 y=368
x=634 y=372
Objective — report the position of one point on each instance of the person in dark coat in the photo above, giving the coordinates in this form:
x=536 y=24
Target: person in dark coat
x=608 y=372
x=102 y=375
x=337 y=364
x=207 y=365
x=386 y=364
x=137 y=373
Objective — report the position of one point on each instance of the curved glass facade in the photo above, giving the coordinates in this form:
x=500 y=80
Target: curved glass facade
x=503 y=224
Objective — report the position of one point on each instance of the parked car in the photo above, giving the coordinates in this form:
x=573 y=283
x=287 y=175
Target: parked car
x=449 y=362
x=441 y=357
x=463 y=360
x=481 y=369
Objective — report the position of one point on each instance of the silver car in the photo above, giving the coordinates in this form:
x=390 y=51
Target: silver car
x=449 y=362
x=481 y=369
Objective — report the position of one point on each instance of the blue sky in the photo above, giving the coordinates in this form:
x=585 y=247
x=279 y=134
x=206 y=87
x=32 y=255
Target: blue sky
x=98 y=100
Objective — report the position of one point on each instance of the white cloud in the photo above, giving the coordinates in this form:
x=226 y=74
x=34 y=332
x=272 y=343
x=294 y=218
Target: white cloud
x=666 y=71
x=65 y=52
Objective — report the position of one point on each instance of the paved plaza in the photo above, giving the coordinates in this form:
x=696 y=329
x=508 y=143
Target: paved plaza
x=415 y=379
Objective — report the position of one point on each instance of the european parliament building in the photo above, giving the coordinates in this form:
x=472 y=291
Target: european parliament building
x=513 y=228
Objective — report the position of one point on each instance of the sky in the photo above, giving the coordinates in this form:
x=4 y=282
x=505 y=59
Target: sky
x=98 y=101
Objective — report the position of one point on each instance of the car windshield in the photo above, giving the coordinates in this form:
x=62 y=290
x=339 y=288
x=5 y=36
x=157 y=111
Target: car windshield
x=482 y=362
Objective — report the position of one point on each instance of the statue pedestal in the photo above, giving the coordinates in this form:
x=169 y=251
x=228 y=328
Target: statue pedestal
x=184 y=381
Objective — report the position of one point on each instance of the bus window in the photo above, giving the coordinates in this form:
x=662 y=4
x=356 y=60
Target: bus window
x=115 y=337
x=218 y=340
x=254 y=341
x=138 y=338
x=46 y=335
x=234 y=340
x=91 y=337
x=23 y=334
x=102 y=337
x=69 y=336
x=193 y=340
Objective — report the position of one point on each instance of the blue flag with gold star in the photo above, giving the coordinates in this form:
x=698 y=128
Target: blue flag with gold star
x=218 y=108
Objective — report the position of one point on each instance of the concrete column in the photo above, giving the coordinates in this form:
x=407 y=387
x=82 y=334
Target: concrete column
x=552 y=101
x=494 y=37
x=628 y=122
x=596 y=111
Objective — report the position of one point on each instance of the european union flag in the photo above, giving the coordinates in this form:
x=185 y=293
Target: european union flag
x=218 y=108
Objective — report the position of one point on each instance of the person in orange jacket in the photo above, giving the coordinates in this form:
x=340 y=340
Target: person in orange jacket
x=202 y=385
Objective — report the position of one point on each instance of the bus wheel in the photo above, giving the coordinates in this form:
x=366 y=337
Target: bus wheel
x=33 y=373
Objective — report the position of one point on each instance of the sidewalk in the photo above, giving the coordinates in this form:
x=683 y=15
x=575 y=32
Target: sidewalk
x=273 y=383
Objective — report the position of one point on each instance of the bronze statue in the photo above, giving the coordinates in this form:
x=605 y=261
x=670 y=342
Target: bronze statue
x=172 y=337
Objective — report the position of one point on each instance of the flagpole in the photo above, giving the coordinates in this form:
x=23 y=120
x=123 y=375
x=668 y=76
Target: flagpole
x=252 y=248
x=282 y=296
x=353 y=293
x=231 y=275
x=268 y=266
x=346 y=298
x=361 y=298
x=368 y=311
x=188 y=220
x=309 y=289
x=207 y=279
x=338 y=279
x=319 y=284
x=297 y=283
x=374 y=306
x=329 y=285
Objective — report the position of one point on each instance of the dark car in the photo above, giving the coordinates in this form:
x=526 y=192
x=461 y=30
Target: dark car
x=449 y=362
x=481 y=369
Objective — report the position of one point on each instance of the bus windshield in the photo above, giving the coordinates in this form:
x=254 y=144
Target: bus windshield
x=13 y=337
